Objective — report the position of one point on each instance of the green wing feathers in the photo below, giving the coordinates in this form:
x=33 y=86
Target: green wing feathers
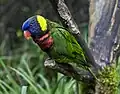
x=66 y=47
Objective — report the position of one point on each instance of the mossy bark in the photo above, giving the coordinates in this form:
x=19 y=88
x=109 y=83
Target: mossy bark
x=108 y=81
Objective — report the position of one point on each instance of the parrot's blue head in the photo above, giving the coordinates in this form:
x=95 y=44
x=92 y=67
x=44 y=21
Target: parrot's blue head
x=34 y=26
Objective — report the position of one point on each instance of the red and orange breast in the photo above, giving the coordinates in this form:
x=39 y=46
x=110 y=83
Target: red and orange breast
x=45 y=42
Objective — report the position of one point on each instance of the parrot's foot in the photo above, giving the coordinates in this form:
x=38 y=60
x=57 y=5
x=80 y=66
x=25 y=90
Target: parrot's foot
x=49 y=63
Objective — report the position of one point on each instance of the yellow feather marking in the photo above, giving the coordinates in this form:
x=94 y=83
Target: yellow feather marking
x=43 y=24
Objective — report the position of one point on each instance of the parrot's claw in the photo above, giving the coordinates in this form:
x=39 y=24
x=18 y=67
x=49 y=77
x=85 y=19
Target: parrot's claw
x=49 y=63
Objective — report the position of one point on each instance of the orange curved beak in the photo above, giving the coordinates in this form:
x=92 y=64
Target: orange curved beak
x=27 y=35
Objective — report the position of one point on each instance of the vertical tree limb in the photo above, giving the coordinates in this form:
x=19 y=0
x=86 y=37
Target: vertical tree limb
x=103 y=33
x=104 y=24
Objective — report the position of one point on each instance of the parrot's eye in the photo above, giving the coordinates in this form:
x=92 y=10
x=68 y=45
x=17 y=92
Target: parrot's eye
x=31 y=25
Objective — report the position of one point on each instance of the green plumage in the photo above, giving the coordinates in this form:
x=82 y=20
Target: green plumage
x=57 y=42
x=65 y=48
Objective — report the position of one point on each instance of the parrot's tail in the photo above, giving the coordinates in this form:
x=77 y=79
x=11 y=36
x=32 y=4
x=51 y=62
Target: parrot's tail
x=92 y=73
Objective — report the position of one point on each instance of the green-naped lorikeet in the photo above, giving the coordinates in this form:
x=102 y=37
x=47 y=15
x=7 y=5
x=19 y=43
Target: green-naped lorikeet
x=55 y=40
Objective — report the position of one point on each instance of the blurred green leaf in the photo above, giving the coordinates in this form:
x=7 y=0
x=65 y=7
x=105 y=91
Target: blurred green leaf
x=19 y=33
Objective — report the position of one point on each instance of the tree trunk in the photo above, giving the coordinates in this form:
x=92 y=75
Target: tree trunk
x=103 y=30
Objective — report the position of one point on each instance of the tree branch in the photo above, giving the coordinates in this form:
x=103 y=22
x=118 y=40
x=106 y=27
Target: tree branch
x=68 y=70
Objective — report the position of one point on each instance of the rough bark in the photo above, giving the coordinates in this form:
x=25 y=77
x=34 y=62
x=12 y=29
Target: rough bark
x=104 y=42
x=68 y=70
x=103 y=29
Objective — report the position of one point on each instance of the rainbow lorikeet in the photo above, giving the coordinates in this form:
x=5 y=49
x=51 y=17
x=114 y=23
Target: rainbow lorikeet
x=55 y=40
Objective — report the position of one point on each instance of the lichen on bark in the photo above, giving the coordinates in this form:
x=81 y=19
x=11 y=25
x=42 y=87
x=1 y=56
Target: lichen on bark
x=108 y=81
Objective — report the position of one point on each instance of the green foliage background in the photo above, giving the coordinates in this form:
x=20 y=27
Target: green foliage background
x=24 y=73
x=21 y=61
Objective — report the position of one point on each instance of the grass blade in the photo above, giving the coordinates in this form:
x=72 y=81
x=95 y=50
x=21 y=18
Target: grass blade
x=24 y=90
